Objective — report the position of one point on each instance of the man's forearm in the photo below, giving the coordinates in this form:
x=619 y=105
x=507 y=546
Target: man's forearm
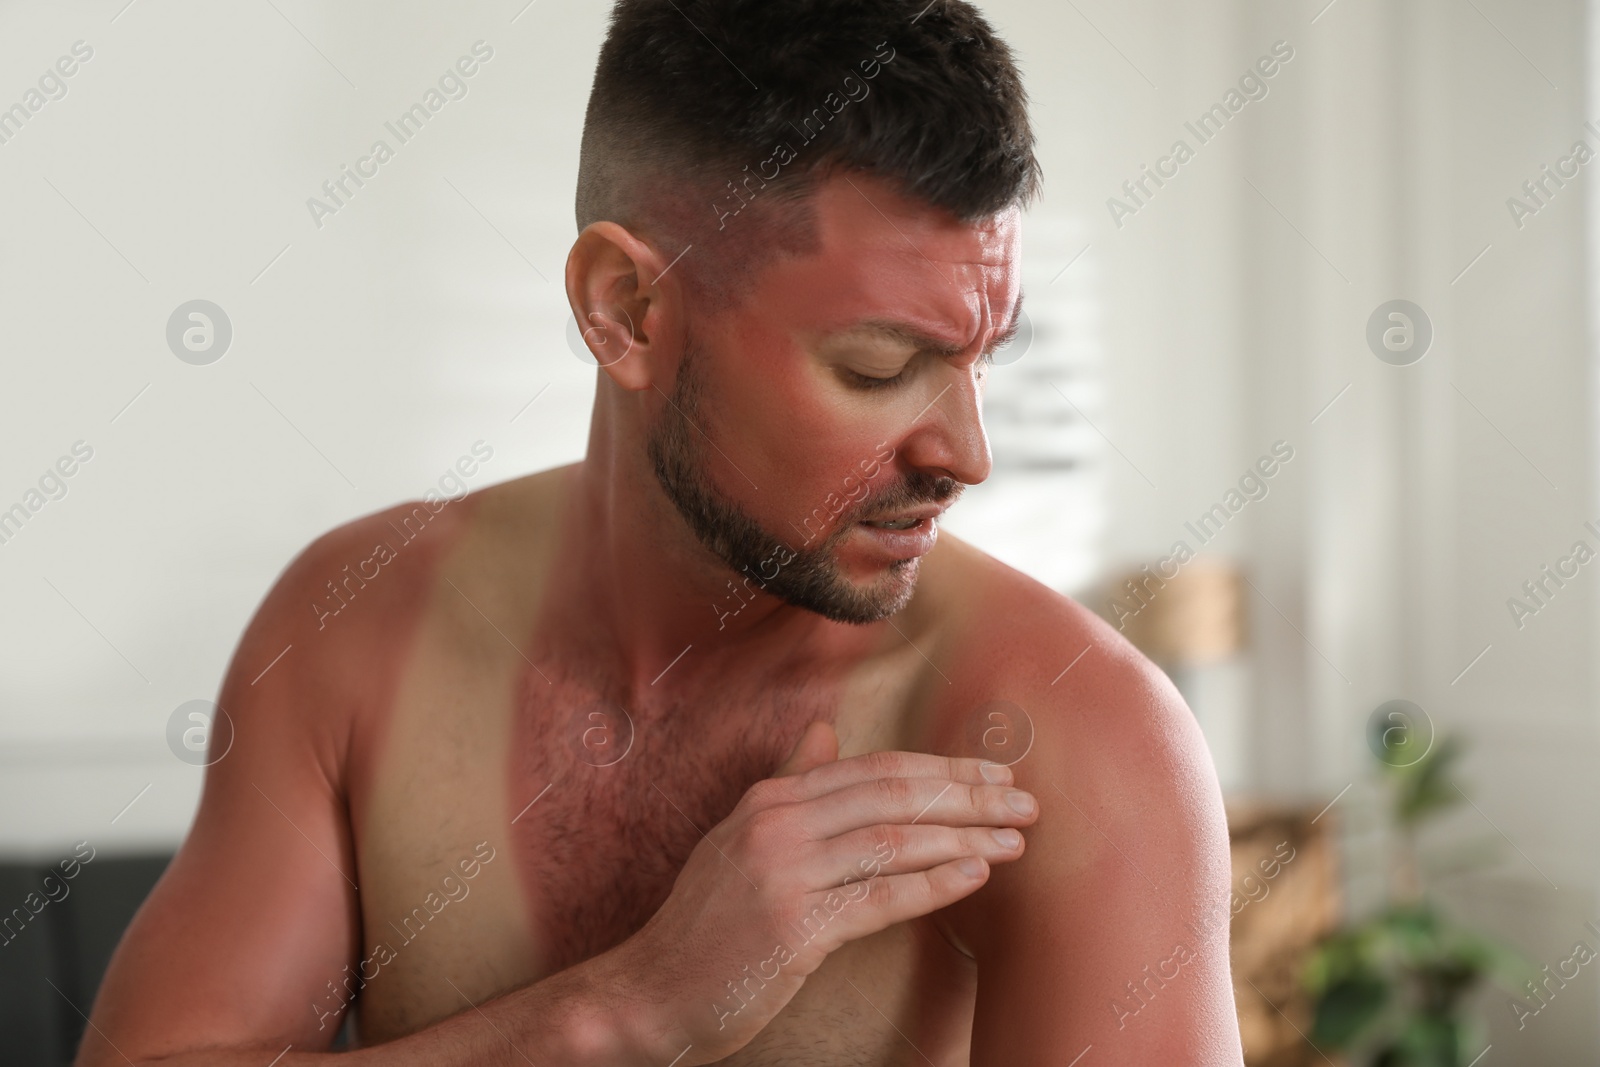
x=578 y=1017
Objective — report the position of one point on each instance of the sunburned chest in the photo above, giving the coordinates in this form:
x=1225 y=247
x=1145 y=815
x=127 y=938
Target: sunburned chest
x=625 y=800
x=617 y=799
x=587 y=811
x=599 y=863
x=580 y=813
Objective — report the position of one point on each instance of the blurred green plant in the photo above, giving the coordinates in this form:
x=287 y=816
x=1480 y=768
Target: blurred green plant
x=1393 y=990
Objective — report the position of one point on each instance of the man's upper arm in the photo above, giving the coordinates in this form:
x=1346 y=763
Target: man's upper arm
x=258 y=912
x=1112 y=930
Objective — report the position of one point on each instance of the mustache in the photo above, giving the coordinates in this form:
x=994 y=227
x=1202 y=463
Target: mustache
x=916 y=488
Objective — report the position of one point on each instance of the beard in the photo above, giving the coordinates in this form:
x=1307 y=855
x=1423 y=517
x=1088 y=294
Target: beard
x=812 y=578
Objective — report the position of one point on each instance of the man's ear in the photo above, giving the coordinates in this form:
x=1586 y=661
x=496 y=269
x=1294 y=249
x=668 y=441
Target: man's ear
x=631 y=324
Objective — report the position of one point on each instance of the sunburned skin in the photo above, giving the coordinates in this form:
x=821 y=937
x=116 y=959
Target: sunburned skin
x=551 y=688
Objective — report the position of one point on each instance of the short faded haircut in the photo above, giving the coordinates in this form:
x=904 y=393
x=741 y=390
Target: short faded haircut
x=692 y=99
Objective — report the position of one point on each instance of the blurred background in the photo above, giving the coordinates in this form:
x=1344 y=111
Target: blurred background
x=1340 y=348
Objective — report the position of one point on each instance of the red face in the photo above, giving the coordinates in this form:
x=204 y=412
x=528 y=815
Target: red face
x=840 y=401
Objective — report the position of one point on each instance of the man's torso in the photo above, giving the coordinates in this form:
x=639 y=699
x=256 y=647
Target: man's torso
x=500 y=729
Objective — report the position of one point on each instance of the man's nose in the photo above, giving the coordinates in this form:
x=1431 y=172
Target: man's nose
x=947 y=439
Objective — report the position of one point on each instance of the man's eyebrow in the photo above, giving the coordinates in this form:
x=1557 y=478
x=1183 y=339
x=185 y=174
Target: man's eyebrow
x=912 y=338
x=904 y=335
x=1000 y=340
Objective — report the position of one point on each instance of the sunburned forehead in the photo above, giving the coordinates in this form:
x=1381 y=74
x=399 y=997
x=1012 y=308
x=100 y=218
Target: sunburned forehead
x=879 y=258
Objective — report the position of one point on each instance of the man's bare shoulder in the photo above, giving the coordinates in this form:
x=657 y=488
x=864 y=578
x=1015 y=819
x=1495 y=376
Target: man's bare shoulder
x=1094 y=709
x=322 y=636
x=1099 y=735
x=1008 y=633
x=347 y=586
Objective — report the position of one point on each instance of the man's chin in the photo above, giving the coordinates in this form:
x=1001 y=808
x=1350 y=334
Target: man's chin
x=874 y=600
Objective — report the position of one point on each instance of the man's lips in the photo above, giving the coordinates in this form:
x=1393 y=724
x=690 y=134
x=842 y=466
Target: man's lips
x=908 y=519
x=901 y=543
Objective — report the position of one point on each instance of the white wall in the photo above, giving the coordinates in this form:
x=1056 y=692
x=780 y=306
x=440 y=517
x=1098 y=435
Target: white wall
x=375 y=351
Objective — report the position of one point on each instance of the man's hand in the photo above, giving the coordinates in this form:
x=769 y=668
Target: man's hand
x=825 y=852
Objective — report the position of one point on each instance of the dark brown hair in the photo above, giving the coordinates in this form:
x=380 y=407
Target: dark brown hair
x=711 y=120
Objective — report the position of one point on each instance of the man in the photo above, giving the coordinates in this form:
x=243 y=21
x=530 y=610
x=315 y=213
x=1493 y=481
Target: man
x=708 y=748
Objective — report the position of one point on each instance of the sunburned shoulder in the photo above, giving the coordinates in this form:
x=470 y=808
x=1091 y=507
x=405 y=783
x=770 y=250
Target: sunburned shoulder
x=335 y=612
x=352 y=583
x=1090 y=707
x=357 y=572
x=1099 y=735
x=1127 y=864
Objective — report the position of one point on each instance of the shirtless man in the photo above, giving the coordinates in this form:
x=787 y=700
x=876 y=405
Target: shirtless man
x=705 y=749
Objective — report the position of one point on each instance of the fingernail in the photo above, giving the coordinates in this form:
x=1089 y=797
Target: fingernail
x=1006 y=838
x=1020 y=802
x=996 y=773
x=972 y=867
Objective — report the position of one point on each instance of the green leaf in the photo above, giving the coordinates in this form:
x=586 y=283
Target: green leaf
x=1347 y=1008
x=1425 y=786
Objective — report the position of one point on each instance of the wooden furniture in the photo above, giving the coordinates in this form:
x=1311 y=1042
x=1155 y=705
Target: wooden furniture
x=1285 y=899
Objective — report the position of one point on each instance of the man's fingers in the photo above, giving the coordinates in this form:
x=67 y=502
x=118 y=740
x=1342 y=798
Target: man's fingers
x=861 y=908
x=890 y=849
x=837 y=774
x=914 y=800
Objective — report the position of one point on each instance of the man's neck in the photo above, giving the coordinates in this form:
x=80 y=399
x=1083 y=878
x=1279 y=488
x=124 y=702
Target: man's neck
x=654 y=589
